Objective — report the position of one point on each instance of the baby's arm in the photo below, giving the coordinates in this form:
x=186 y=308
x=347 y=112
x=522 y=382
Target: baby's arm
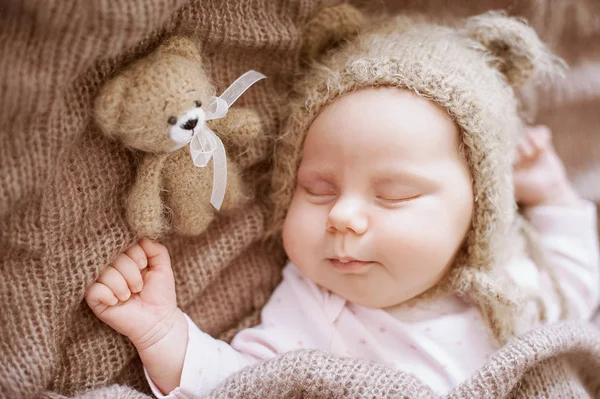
x=566 y=224
x=136 y=297
x=570 y=251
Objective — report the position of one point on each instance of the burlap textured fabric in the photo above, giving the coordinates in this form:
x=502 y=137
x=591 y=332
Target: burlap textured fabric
x=62 y=201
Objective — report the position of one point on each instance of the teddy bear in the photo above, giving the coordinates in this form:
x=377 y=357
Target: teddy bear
x=155 y=105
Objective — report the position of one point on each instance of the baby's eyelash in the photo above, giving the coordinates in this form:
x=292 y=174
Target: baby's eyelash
x=398 y=200
x=308 y=190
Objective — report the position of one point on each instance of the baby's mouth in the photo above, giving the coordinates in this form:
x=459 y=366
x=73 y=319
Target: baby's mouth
x=350 y=265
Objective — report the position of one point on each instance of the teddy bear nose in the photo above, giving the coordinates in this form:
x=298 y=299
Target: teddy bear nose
x=190 y=124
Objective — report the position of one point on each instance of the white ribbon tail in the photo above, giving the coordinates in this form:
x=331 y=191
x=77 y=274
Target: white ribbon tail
x=204 y=146
x=240 y=85
x=219 y=172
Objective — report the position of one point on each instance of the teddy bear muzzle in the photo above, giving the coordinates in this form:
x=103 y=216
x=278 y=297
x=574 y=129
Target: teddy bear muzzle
x=187 y=125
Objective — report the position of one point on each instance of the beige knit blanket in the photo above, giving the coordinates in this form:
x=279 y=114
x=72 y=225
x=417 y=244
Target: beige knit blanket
x=63 y=185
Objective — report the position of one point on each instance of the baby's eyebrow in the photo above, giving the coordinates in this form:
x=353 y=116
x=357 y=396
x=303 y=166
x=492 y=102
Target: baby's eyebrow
x=395 y=176
x=315 y=171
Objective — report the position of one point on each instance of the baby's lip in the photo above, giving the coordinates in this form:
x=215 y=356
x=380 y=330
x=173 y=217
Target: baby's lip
x=347 y=259
x=347 y=265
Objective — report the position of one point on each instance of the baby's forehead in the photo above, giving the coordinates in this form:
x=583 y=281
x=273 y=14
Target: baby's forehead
x=382 y=124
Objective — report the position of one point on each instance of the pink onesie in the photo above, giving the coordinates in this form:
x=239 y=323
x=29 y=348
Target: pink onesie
x=441 y=341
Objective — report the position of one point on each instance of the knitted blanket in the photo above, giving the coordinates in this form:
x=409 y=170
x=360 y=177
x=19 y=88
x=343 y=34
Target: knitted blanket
x=63 y=186
x=557 y=361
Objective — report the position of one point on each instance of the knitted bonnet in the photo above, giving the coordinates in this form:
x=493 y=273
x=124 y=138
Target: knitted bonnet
x=470 y=69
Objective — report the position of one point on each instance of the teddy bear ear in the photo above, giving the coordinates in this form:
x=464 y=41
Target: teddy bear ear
x=516 y=49
x=108 y=104
x=182 y=46
x=329 y=28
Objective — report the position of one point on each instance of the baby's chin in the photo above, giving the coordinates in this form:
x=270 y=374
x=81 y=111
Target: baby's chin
x=371 y=298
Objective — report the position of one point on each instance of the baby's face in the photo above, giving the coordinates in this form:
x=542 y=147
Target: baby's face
x=383 y=199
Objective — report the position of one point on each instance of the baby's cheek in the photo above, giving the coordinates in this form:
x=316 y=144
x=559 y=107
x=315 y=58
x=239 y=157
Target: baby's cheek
x=301 y=230
x=413 y=236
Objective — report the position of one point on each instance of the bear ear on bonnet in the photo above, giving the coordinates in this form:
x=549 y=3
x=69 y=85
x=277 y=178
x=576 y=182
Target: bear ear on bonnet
x=330 y=27
x=516 y=50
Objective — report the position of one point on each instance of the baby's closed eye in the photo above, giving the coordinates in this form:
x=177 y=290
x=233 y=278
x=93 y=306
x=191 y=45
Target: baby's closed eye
x=316 y=186
x=319 y=188
x=396 y=193
x=395 y=199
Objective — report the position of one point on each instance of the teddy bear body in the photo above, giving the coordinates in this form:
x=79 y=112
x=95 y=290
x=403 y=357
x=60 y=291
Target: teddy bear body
x=156 y=105
x=187 y=191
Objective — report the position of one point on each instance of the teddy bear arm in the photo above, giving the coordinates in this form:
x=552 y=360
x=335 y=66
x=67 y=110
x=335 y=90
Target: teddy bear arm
x=243 y=135
x=239 y=128
x=145 y=210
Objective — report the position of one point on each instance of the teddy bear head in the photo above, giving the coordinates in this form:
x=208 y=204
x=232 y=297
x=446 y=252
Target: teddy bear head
x=158 y=102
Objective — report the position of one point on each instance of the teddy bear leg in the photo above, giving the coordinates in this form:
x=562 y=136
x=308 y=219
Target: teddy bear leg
x=194 y=223
x=145 y=219
x=237 y=193
x=144 y=204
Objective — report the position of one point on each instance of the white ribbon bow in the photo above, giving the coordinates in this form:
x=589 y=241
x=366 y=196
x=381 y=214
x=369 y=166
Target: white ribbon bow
x=205 y=144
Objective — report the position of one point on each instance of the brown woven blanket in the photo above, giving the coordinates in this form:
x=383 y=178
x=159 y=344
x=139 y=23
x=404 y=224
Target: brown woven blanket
x=63 y=187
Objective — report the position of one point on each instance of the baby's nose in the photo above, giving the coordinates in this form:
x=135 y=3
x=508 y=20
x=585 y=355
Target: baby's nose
x=190 y=124
x=347 y=216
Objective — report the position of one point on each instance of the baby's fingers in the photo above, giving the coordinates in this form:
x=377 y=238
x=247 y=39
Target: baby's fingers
x=158 y=256
x=114 y=280
x=130 y=271
x=138 y=255
x=99 y=297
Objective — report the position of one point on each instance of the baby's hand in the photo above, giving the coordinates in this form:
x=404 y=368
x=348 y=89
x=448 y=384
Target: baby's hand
x=539 y=174
x=136 y=294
